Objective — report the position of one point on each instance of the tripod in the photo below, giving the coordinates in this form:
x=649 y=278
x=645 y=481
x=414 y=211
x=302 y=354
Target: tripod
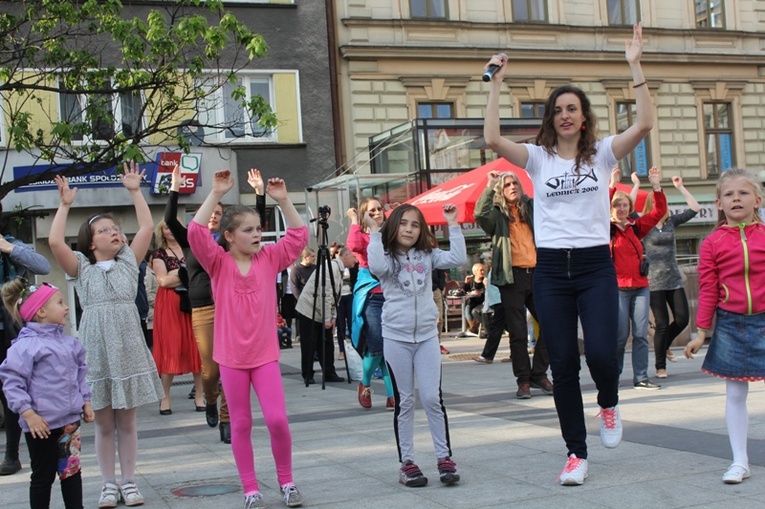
x=324 y=265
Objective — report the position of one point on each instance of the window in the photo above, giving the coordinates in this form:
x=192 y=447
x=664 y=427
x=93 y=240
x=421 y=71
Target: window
x=639 y=160
x=532 y=110
x=428 y=8
x=530 y=10
x=718 y=136
x=709 y=13
x=435 y=110
x=623 y=12
x=99 y=117
x=222 y=114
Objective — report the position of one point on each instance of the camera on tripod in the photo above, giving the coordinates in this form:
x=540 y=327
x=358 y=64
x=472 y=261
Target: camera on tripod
x=324 y=212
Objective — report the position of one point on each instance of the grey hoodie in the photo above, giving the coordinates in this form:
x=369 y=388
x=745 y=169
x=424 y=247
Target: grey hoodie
x=409 y=313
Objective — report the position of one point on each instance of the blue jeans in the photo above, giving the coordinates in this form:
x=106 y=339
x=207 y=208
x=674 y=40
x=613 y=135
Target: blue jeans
x=633 y=309
x=373 y=324
x=571 y=284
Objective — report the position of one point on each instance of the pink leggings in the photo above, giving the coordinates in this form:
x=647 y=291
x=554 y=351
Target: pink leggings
x=267 y=382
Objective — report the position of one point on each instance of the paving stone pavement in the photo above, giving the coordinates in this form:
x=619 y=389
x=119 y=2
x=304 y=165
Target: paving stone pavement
x=508 y=451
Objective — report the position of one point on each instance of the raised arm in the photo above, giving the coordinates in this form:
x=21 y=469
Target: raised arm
x=689 y=199
x=57 y=237
x=171 y=210
x=635 y=187
x=256 y=182
x=131 y=179
x=625 y=142
x=485 y=205
x=277 y=190
x=513 y=152
x=456 y=256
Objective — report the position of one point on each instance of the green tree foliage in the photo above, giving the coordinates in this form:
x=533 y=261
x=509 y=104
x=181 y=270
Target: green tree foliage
x=62 y=63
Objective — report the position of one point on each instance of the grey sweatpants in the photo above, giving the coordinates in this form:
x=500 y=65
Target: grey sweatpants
x=423 y=359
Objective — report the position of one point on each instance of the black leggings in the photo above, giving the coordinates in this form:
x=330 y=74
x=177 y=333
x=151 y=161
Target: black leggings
x=666 y=332
x=45 y=455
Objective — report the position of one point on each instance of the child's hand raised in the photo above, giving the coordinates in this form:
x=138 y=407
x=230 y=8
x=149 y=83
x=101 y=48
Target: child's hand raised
x=65 y=195
x=255 y=181
x=222 y=182
x=277 y=189
x=450 y=214
x=370 y=223
x=635 y=178
x=132 y=176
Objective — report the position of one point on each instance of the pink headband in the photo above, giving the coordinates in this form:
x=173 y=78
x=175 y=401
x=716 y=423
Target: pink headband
x=39 y=297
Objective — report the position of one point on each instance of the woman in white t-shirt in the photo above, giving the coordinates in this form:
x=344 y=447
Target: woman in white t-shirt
x=574 y=276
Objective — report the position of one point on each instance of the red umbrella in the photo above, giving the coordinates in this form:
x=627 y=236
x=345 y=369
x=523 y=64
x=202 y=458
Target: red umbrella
x=464 y=191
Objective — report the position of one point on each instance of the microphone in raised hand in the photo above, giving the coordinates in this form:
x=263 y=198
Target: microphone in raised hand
x=489 y=73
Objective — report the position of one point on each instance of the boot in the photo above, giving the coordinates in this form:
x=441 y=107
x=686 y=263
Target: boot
x=225 y=432
x=473 y=326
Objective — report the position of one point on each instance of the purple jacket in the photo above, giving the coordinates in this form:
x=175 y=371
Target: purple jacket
x=45 y=371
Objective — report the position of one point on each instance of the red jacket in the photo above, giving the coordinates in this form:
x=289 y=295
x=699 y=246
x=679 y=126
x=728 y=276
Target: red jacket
x=732 y=272
x=626 y=248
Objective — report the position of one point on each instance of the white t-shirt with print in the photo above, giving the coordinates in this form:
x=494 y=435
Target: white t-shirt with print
x=570 y=210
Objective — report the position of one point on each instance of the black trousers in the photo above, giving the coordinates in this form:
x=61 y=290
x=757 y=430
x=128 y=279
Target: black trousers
x=12 y=430
x=311 y=336
x=497 y=326
x=516 y=298
x=44 y=454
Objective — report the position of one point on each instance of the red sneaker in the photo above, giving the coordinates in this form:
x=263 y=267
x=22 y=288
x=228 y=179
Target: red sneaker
x=444 y=351
x=390 y=404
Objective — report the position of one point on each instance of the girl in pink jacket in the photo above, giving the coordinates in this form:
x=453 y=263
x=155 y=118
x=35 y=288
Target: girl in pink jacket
x=732 y=289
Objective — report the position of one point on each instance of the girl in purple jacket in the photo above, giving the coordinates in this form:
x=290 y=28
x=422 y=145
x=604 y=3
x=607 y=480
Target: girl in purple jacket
x=44 y=381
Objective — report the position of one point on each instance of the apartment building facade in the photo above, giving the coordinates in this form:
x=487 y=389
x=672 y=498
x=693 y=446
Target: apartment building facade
x=401 y=60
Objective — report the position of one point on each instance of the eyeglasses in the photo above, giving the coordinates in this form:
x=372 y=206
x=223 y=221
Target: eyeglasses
x=109 y=229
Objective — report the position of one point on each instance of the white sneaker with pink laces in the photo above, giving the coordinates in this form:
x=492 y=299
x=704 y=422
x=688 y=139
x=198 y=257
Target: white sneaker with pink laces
x=575 y=471
x=610 y=427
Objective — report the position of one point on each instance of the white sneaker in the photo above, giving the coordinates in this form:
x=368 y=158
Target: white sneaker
x=292 y=496
x=735 y=474
x=254 y=501
x=130 y=494
x=110 y=496
x=610 y=427
x=574 y=473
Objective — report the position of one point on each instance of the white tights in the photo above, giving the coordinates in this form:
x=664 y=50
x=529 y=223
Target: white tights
x=737 y=418
x=123 y=422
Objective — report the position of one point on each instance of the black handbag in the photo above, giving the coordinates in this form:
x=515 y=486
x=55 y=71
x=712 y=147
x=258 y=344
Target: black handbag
x=183 y=289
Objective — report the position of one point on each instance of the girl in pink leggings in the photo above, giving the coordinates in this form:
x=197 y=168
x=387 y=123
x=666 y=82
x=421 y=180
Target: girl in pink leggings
x=242 y=273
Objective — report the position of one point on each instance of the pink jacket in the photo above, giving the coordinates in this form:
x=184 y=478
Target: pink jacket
x=245 y=305
x=732 y=272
